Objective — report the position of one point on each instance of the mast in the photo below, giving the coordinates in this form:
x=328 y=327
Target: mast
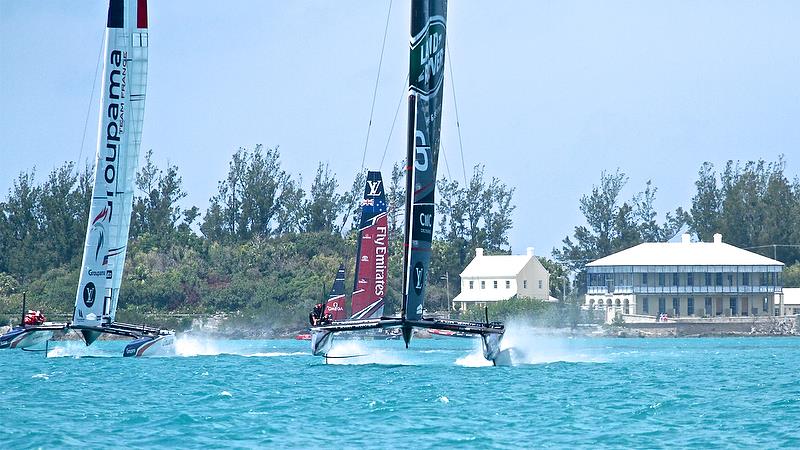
x=335 y=303
x=426 y=77
x=119 y=136
x=372 y=255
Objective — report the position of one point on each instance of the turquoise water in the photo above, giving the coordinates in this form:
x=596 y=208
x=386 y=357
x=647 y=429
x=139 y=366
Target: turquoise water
x=569 y=393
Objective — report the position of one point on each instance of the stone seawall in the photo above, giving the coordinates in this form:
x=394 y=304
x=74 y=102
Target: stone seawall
x=740 y=326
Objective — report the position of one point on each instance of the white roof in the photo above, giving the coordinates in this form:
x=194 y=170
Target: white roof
x=685 y=254
x=494 y=266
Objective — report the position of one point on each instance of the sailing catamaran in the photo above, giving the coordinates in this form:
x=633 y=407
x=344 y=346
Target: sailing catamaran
x=426 y=76
x=121 y=117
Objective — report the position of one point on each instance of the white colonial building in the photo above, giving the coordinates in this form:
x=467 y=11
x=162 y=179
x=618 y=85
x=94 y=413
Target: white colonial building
x=685 y=279
x=492 y=278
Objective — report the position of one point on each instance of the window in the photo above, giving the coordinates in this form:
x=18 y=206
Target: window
x=708 y=306
x=495 y=284
x=472 y=284
x=708 y=278
x=690 y=279
x=676 y=306
x=540 y=284
x=644 y=279
x=524 y=284
x=719 y=279
x=746 y=279
x=645 y=305
x=734 y=309
x=730 y=279
x=508 y=284
x=764 y=304
x=483 y=284
x=690 y=306
x=675 y=279
x=662 y=305
x=661 y=281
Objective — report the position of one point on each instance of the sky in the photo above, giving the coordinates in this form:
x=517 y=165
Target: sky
x=549 y=93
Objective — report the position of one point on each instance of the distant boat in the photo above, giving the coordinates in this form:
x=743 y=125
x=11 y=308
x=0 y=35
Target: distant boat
x=121 y=118
x=426 y=76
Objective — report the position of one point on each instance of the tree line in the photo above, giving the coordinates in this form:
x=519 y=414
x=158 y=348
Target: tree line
x=264 y=247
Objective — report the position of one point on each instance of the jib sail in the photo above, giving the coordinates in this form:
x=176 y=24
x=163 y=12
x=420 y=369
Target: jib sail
x=335 y=304
x=372 y=255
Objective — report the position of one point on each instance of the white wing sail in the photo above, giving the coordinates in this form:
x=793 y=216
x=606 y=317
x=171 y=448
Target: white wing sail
x=121 y=117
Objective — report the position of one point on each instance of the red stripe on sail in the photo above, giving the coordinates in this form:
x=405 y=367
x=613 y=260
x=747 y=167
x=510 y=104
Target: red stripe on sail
x=141 y=14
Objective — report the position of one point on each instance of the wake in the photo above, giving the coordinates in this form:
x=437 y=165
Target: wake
x=351 y=352
x=524 y=344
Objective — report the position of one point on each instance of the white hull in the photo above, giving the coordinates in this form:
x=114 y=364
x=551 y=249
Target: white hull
x=162 y=345
x=31 y=339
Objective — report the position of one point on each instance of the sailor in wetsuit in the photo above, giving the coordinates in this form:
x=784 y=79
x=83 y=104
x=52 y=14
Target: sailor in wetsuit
x=315 y=316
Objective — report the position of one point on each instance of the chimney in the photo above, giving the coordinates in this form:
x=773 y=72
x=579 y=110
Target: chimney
x=717 y=238
x=686 y=238
x=478 y=252
x=530 y=251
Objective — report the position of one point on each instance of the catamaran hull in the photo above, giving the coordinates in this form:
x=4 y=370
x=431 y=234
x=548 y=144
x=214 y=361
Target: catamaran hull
x=30 y=335
x=321 y=342
x=151 y=346
x=24 y=338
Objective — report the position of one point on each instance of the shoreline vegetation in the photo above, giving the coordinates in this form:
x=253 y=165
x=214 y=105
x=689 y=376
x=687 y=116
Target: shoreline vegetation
x=266 y=250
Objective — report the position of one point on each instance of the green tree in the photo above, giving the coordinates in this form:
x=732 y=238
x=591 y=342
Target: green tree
x=755 y=206
x=255 y=200
x=157 y=214
x=324 y=205
x=614 y=225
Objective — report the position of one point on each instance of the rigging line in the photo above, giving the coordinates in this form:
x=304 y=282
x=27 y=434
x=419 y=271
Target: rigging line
x=91 y=97
x=455 y=105
x=394 y=121
x=444 y=155
x=375 y=90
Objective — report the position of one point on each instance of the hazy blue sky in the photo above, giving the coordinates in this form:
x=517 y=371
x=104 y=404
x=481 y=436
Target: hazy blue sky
x=549 y=92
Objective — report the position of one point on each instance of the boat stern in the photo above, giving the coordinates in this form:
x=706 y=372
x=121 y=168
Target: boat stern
x=321 y=341
x=491 y=345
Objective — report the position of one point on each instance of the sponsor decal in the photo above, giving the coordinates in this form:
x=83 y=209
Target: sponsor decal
x=97 y=273
x=89 y=292
x=419 y=277
x=333 y=307
x=380 y=261
x=373 y=188
x=427 y=58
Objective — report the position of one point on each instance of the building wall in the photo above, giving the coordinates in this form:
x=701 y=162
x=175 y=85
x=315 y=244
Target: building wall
x=685 y=305
x=534 y=281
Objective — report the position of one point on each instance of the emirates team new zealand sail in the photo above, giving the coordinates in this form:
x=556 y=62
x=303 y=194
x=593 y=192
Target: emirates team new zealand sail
x=426 y=78
x=121 y=116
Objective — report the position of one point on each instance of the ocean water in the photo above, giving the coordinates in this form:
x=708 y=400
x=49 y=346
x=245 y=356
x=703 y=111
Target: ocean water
x=562 y=393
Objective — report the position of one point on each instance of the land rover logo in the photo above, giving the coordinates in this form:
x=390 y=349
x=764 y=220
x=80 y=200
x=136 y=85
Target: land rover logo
x=88 y=294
